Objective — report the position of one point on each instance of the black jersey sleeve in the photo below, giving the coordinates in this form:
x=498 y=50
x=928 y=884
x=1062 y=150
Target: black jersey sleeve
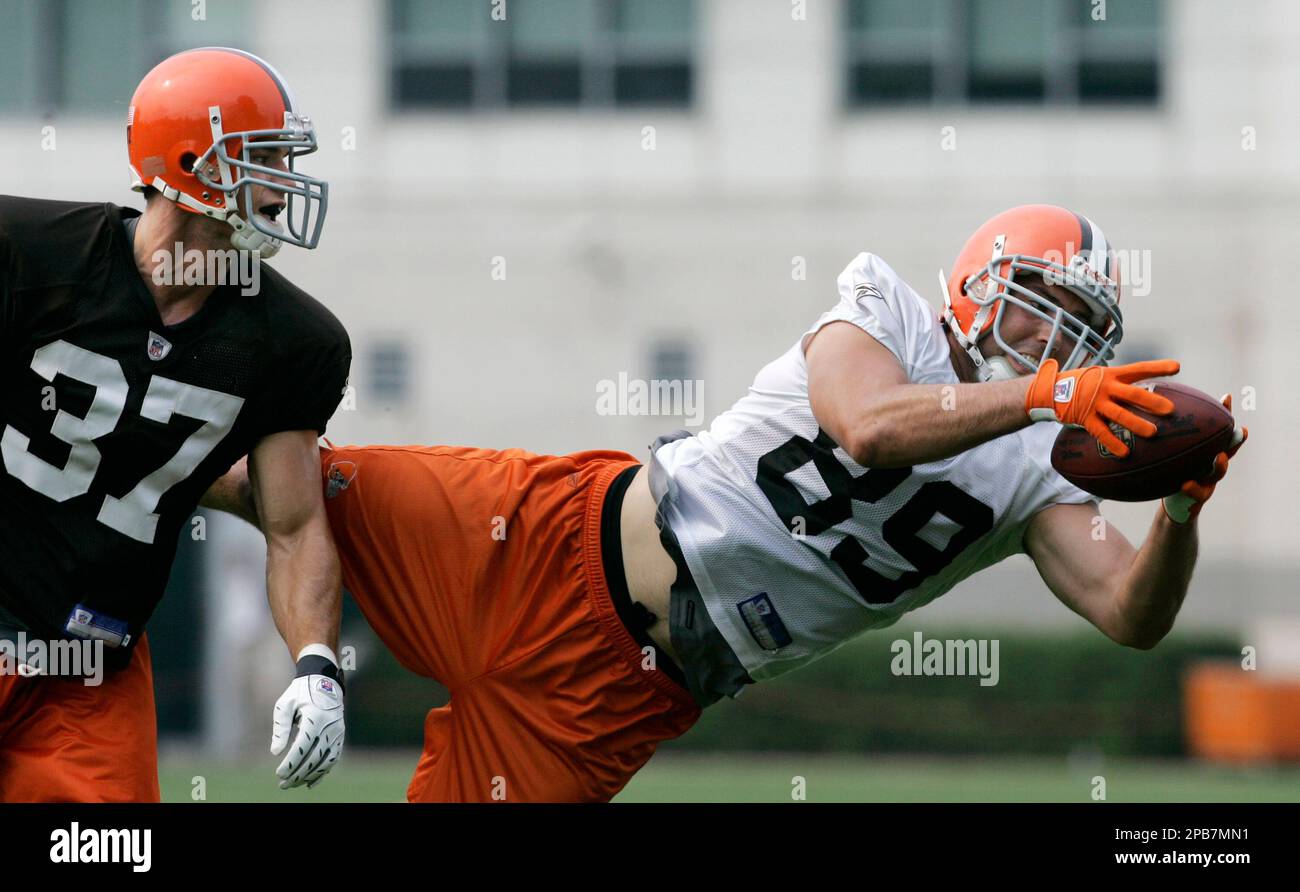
x=310 y=384
x=310 y=366
x=9 y=258
x=6 y=261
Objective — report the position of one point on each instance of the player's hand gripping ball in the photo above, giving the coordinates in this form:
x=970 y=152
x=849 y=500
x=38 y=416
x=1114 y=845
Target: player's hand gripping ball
x=1105 y=401
x=1188 y=501
x=1179 y=455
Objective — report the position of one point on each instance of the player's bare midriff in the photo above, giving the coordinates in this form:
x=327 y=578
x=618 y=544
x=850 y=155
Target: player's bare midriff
x=650 y=571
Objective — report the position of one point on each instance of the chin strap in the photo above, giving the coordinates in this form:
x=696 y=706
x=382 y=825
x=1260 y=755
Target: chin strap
x=248 y=238
x=995 y=369
x=243 y=236
x=1001 y=369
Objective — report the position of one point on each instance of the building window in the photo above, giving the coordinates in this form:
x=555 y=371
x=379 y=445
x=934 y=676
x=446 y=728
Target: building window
x=672 y=359
x=60 y=55
x=453 y=54
x=390 y=372
x=959 y=51
x=20 y=68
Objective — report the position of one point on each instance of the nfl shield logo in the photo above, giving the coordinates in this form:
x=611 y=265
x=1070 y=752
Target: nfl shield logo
x=158 y=346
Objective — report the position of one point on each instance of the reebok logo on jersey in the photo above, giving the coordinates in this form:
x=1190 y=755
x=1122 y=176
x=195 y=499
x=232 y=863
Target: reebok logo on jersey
x=339 y=477
x=1064 y=390
x=763 y=622
x=866 y=289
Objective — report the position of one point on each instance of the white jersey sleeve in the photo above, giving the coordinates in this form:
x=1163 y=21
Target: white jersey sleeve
x=876 y=300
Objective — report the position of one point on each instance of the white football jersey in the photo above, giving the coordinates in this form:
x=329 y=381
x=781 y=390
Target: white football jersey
x=795 y=547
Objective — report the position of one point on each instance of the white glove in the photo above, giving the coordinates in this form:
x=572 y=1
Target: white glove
x=312 y=706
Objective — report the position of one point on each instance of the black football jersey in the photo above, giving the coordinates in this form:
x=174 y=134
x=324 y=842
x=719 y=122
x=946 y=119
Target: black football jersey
x=114 y=425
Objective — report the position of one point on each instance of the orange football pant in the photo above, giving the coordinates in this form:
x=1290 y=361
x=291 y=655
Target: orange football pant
x=482 y=569
x=65 y=741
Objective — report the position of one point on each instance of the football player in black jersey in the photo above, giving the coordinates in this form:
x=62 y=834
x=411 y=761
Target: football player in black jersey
x=127 y=390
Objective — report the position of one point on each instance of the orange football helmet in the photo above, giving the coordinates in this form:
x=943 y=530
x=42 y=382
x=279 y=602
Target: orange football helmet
x=1066 y=249
x=191 y=126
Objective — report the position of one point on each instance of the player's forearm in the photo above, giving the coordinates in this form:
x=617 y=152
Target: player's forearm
x=304 y=587
x=1152 y=593
x=915 y=423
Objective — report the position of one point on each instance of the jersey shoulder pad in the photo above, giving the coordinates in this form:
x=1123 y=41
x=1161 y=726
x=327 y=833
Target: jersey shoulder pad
x=877 y=300
x=297 y=320
x=41 y=238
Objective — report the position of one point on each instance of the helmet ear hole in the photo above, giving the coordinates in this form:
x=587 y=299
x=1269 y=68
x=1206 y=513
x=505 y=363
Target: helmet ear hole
x=187 y=160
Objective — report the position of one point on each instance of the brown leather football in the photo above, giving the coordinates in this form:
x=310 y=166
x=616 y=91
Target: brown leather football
x=1183 y=448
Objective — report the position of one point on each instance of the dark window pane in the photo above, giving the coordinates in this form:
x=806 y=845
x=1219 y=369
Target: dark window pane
x=434 y=85
x=653 y=84
x=987 y=86
x=672 y=360
x=390 y=371
x=446 y=53
x=891 y=82
x=544 y=83
x=1118 y=82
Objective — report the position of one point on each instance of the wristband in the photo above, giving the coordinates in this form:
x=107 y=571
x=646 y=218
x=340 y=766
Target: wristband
x=317 y=659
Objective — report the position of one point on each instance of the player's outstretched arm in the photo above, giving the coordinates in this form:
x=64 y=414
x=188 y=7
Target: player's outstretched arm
x=1086 y=562
x=861 y=396
x=304 y=587
x=1132 y=595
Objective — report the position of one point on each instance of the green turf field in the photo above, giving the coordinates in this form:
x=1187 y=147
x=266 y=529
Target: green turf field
x=382 y=776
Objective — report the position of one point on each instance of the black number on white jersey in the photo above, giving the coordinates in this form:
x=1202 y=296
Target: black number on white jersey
x=900 y=531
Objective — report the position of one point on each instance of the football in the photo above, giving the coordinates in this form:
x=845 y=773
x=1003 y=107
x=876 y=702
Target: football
x=1183 y=448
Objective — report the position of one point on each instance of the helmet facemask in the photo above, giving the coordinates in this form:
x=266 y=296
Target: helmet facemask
x=1090 y=342
x=306 y=198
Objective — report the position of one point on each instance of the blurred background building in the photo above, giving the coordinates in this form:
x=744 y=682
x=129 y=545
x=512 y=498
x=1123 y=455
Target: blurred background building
x=531 y=197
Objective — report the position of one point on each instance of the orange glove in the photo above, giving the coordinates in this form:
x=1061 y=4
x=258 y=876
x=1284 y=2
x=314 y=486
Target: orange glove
x=1090 y=398
x=1182 y=506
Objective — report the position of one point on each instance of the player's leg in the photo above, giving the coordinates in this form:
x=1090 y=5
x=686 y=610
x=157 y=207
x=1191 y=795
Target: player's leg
x=571 y=723
x=572 y=718
x=482 y=569
x=62 y=740
x=424 y=539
